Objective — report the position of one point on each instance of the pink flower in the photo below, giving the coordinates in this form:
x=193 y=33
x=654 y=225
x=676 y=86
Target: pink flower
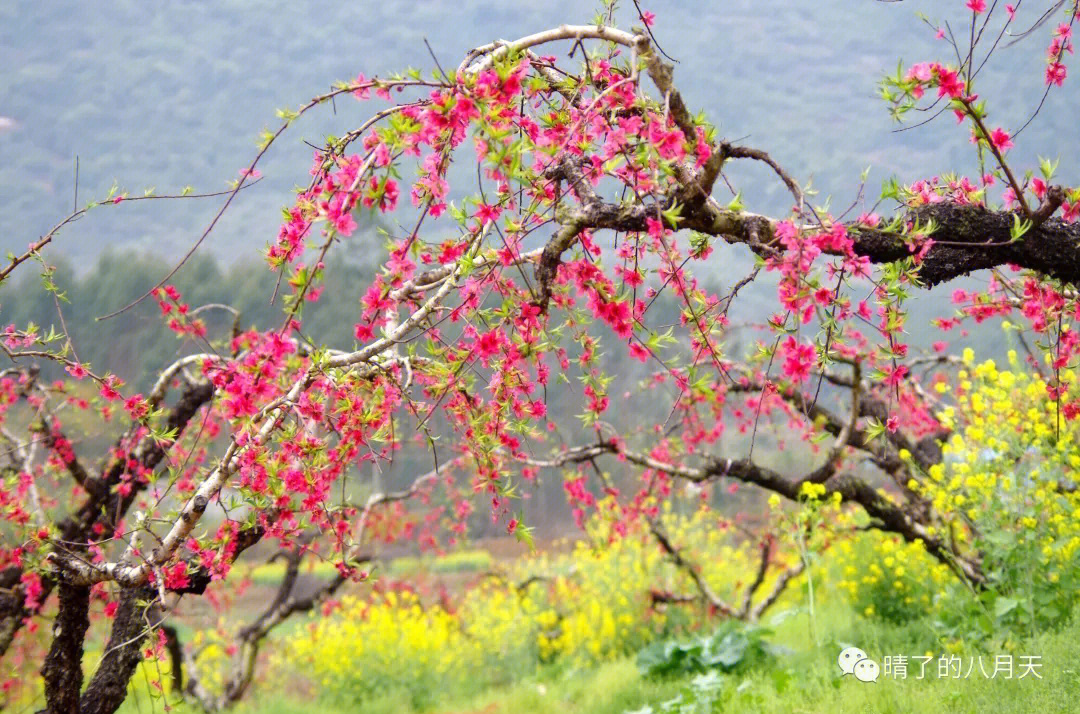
x=136 y=407
x=486 y=213
x=344 y=223
x=638 y=352
x=949 y=83
x=108 y=390
x=871 y=220
x=1011 y=11
x=176 y=577
x=488 y=344
x=1000 y=139
x=363 y=87
x=1055 y=73
x=976 y=6
x=799 y=359
x=648 y=18
x=894 y=376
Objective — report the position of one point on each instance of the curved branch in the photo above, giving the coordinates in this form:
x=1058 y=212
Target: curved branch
x=480 y=58
x=968 y=238
x=267 y=420
x=909 y=523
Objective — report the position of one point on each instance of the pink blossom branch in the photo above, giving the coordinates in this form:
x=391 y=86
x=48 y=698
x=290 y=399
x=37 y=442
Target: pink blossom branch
x=132 y=575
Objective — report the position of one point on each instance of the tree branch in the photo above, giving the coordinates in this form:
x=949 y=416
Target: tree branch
x=690 y=569
x=759 y=577
x=968 y=238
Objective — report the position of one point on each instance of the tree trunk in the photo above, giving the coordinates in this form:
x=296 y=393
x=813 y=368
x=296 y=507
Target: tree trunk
x=62 y=671
x=135 y=619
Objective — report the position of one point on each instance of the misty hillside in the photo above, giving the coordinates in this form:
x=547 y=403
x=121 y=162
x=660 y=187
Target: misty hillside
x=171 y=95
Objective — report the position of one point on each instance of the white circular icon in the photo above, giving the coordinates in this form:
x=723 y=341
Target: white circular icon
x=866 y=670
x=849 y=658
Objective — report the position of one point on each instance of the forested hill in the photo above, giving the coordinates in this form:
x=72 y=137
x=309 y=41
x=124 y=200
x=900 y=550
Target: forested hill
x=167 y=95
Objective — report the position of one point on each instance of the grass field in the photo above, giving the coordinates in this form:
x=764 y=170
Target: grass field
x=805 y=679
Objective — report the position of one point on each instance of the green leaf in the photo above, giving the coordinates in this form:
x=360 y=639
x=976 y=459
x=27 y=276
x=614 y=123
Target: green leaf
x=1048 y=168
x=874 y=429
x=890 y=189
x=265 y=137
x=673 y=215
x=1004 y=606
x=781 y=678
x=1019 y=228
x=287 y=114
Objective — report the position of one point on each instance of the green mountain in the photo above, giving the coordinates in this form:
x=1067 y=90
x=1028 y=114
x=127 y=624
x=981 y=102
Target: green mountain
x=167 y=95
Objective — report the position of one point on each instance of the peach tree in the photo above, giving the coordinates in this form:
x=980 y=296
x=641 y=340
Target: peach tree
x=579 y=244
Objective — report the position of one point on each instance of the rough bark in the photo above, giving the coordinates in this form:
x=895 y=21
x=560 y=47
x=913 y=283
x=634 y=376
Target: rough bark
x=967 y=238
x=134 y=620
x=12 y=606
x=62 y=671
x=1052 y=249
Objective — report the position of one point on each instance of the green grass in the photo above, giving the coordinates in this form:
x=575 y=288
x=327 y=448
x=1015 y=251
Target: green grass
x=813 y=683
x=611 y=688
x=805 y=680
